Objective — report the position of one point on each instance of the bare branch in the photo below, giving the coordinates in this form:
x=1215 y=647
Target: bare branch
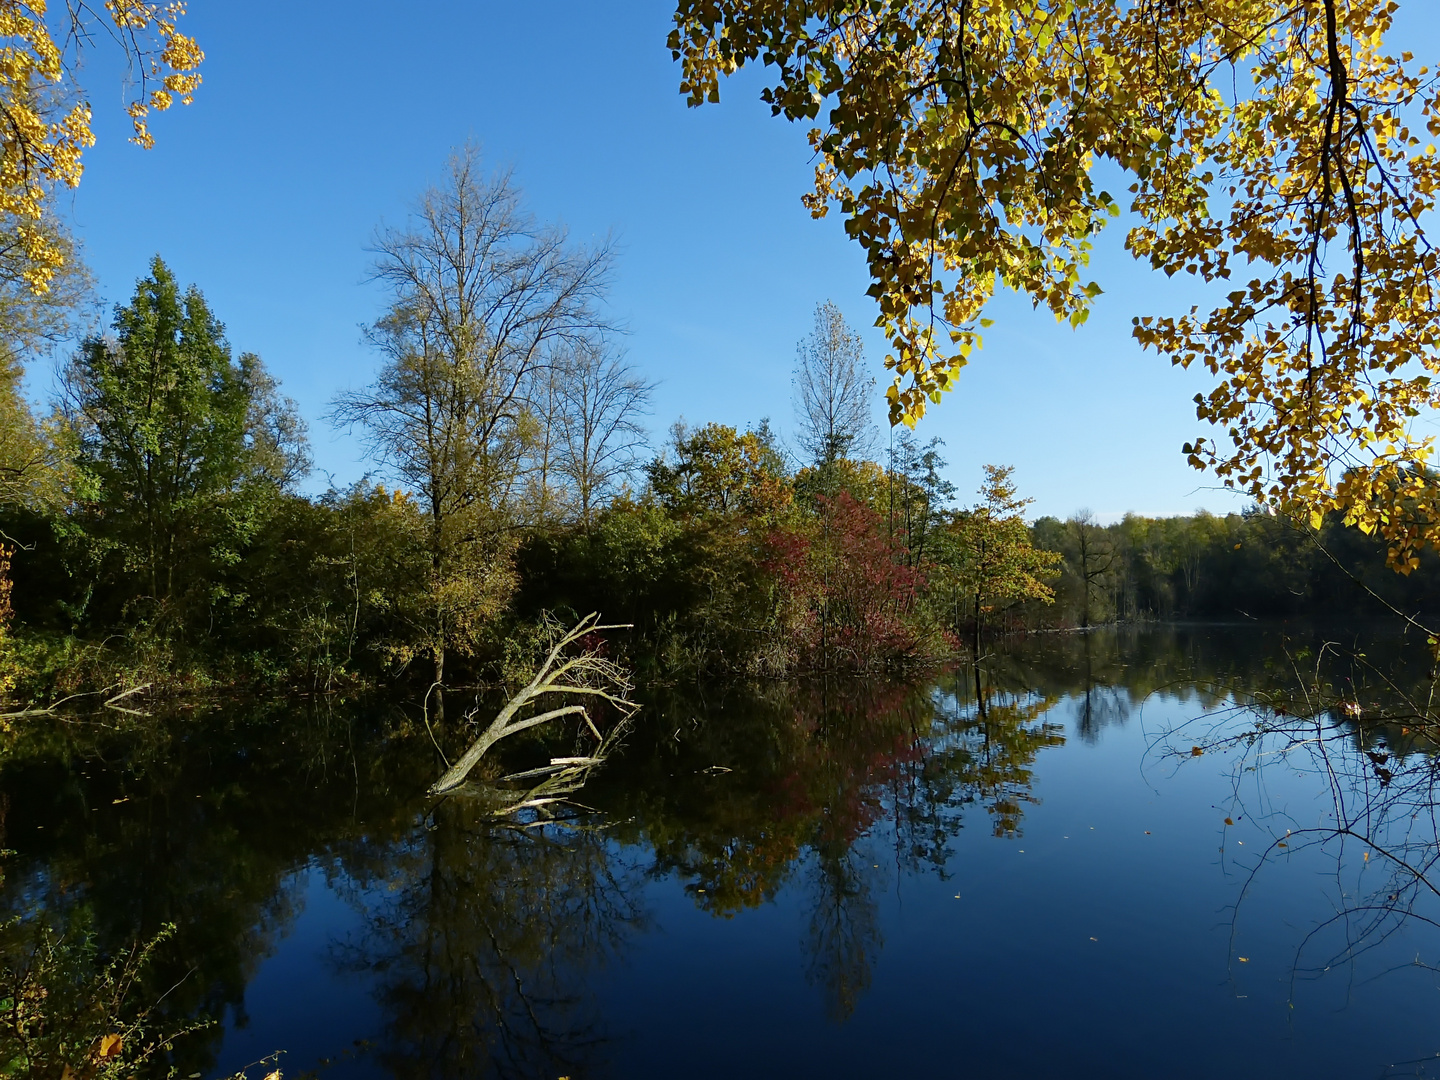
x=585 y=673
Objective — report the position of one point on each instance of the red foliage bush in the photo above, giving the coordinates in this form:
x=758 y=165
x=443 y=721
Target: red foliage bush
x=844 y=589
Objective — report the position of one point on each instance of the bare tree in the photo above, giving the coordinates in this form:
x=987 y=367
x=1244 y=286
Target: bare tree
x=601 y=398
x=546 y=499
x=832 y=391
x=481 y=295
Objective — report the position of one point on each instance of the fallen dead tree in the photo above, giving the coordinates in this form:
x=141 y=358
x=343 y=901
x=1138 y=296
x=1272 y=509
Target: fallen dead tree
x=570 y=669
x=112 y=702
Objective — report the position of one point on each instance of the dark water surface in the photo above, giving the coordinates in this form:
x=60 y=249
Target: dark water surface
x=1032 y=879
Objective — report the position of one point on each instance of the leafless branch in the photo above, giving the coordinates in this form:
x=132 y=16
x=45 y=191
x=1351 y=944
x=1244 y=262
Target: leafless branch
x=587 y=674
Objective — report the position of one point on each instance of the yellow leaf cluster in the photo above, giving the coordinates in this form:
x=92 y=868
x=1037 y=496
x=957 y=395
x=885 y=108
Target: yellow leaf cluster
x=1272 y=139
x=46 y=123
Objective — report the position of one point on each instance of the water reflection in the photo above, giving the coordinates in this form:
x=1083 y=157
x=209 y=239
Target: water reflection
x=984 y=750
x=483 y=945
x=479 y=938
x=1364 y=736
x=199 y=821
x=843 y=939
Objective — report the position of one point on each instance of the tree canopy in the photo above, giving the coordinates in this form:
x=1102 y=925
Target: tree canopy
x=175 y=442
x=1272 y=140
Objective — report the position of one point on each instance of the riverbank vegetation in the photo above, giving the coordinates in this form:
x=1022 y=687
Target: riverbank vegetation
x=156 y=530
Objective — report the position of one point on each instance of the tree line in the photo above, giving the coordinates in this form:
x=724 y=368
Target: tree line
x=1250 y=565
x=154 y=527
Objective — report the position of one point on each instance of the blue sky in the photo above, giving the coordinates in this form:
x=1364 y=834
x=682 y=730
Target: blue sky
x=316 y=123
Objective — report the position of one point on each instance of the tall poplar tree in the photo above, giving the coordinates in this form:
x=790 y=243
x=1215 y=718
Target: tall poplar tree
x=481 y=296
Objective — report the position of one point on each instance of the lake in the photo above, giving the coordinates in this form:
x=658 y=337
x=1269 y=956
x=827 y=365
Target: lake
x=1179 y=851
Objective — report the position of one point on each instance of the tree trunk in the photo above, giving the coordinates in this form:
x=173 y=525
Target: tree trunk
x=440 y=684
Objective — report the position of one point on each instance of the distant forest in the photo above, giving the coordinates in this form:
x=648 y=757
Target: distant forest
x=1237 y=566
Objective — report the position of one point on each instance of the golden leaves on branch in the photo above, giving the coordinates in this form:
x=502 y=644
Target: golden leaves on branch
x=938 y=149
x=173 y=66
x=1258 y=136
x=45 y=125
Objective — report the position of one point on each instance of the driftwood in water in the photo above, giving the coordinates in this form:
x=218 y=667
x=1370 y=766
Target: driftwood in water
x=584 y=674
x=551 y=785
x=111 y=702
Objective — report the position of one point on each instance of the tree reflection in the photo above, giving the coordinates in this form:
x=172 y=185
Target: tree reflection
x=1100 y=705
x=842 y=941
x=983 y=751
x=480 y=937
x=1369 y=737
x=197 y=822
x=483 y=940
x=796 y=783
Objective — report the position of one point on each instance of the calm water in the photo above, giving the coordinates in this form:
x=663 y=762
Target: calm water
x=1032 y=879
